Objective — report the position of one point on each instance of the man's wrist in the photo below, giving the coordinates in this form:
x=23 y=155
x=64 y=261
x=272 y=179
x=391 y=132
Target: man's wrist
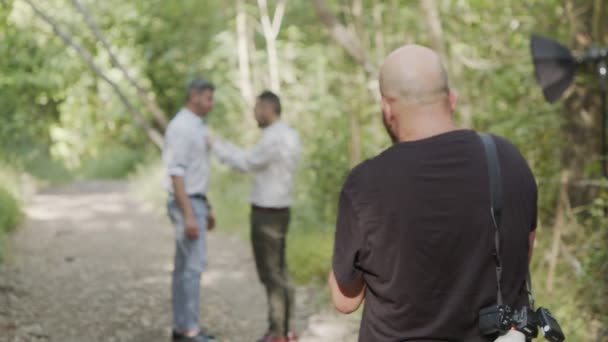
x=190 y=217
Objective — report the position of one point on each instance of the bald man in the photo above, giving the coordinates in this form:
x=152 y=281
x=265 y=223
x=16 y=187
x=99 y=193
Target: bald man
x=414 y=231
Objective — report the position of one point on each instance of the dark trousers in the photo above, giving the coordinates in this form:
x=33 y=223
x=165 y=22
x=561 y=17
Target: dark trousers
x=268 y=233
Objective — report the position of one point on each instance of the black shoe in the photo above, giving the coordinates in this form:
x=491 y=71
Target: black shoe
x=201 y=337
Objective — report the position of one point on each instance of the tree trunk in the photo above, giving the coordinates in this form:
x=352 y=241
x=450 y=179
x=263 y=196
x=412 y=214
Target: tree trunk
x=378 y=31
x=345 y=37
x=273 y=63
x=581 y=131
x=354 y=146
x=581 y=117
x=351 y=43
x=245 y=84
x=430 y=8
x=563 y=207
x=599 y=29
x=154 y=135
x=144 y=95
x=271 y=30
x=435 y=31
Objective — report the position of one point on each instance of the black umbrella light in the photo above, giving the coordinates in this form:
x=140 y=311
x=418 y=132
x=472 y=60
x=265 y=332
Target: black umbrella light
x=555 y=67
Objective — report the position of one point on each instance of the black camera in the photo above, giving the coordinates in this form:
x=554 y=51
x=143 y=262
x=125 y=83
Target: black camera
x=549 y=325
x=502 y=318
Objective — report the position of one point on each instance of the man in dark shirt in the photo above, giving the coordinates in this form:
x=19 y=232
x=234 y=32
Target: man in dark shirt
x=414 y=235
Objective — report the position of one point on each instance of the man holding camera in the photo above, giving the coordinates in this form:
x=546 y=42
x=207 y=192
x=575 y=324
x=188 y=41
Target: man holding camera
x=414 y=235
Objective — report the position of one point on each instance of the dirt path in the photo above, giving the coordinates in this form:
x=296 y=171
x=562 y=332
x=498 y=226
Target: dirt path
x=93 y=264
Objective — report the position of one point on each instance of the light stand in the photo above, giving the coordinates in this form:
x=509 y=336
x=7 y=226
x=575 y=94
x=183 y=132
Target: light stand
x=602 y=71
x=555 y=66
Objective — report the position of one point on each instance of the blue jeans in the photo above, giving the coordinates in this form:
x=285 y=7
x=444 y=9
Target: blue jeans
x=190 y=262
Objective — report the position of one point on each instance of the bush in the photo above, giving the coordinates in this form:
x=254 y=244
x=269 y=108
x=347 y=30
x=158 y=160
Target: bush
x=114 y=162
x=309 y=255
x=45 y=169
x=229 y=194
x=10 y=215
x=146 y=183
x=33 y=160
x=10 y=211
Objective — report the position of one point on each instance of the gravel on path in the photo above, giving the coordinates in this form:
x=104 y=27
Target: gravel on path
x=93 y=263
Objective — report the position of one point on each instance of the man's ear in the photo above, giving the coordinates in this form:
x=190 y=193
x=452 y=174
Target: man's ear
x=387 y=111
x=453 y=100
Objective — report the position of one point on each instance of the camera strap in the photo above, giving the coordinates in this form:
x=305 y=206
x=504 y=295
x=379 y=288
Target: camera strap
x=496 y=203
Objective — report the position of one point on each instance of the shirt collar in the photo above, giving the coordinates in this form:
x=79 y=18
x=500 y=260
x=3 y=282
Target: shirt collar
x=192 y=116
x=277 y=123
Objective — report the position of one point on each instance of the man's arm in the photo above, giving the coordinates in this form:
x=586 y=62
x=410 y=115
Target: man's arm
x=183 y=201
x=531 y=238
x=346 y=282
x=534 y=208
x=347 y=299
x=246 y=161
x=177 y=147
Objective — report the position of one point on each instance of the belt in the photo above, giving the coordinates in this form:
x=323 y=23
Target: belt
x=198 y=196
x=269 y=210
x=201 y=197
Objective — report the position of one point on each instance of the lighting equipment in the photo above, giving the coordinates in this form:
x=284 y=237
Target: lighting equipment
x=555 y=66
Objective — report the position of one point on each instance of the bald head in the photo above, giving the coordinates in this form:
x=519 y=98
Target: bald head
x=416 y=100
x=413 y=74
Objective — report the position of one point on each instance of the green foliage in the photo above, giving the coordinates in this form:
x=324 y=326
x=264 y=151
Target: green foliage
x=114 y=162
x=229 y=196
x=309 y=254
x=9 y=177
x=146 y=180
x=36 y=161
x=10 y=212
x=593 y=254
x=10 y=216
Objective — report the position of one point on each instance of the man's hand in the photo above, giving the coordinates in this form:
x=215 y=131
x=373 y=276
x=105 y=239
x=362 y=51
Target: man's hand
x=210 y=222
x=191 y=228
x=210 y=140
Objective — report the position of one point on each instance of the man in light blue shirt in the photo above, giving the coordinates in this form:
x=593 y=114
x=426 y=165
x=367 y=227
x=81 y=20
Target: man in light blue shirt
x=187 y=171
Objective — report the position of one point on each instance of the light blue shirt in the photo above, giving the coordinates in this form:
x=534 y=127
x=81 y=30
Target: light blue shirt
x=186 y=154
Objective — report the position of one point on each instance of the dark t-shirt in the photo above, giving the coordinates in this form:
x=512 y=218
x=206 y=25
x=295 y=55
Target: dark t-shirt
x=415 y=223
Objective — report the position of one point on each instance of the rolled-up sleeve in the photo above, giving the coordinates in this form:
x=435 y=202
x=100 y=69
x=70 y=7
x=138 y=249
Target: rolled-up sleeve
x=347 y=242
x=177 y=149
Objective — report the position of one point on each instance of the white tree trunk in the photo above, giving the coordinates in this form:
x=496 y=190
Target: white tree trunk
x=245 y=85
x=273 y=64
x=379 y=34
x=431 y=13
x=271 y=30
